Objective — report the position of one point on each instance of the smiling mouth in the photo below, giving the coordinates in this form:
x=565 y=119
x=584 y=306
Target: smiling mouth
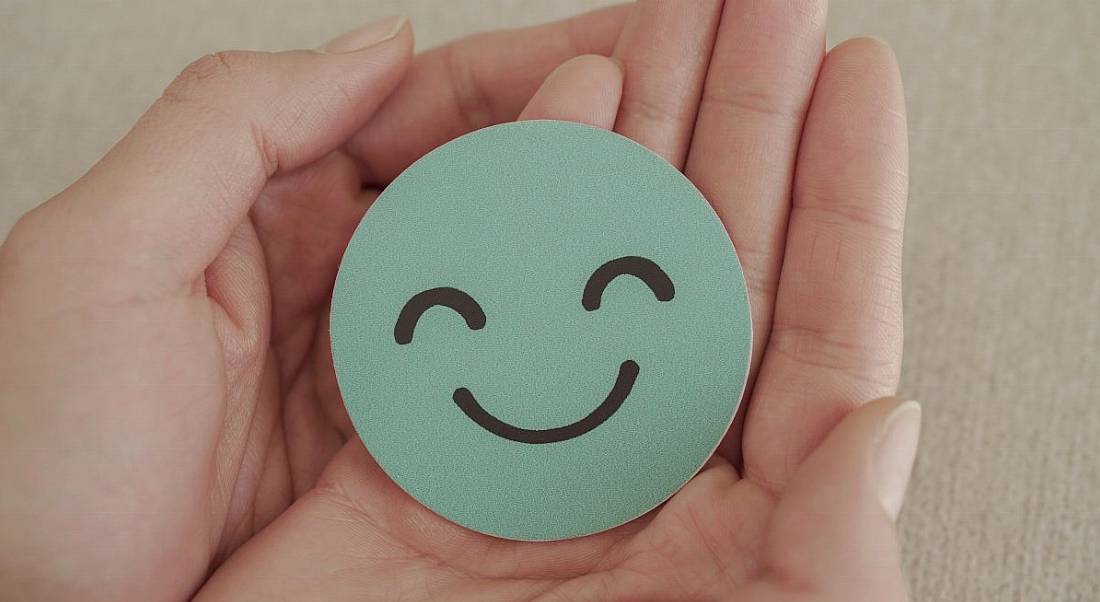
x=624 y=383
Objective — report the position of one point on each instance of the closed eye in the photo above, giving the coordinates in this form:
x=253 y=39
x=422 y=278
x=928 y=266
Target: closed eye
x=453 y=298
x=641 y=268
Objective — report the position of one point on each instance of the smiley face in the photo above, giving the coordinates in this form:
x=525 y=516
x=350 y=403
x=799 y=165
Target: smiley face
x=463 y=304
x=541 y=330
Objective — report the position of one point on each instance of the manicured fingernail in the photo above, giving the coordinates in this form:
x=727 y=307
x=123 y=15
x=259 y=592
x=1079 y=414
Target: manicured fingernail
x=895 y=452
x=366 y=36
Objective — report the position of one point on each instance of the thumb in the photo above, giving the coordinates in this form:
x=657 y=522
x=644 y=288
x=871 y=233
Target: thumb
x=169 y=194
x=834 y=527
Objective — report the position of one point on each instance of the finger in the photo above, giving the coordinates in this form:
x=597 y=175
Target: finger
x=742 y=156
x=473 y=83
x=833 y=531
x=665 y=46
x=837 y=328
x=586 y=90
x=171 y=192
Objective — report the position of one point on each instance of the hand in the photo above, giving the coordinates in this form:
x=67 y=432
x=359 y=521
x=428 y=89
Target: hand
x=166 y=390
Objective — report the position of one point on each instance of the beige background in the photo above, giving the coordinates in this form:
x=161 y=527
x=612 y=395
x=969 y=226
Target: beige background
x=1002 y=259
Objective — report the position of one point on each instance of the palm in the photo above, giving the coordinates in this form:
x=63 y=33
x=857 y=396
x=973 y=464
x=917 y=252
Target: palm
x=708 y=539
x=816 y=269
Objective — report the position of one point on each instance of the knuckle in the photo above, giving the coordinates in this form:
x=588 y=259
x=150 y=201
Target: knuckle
x=211 y=72
x=866 y=354
x=474 y=105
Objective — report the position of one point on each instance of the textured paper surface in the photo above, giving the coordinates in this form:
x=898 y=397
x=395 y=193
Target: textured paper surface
x=520 y=218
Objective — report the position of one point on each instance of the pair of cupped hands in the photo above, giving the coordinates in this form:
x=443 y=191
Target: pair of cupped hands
x=170 y=424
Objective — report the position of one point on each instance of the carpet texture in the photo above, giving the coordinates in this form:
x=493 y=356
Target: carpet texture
x=1002 y=260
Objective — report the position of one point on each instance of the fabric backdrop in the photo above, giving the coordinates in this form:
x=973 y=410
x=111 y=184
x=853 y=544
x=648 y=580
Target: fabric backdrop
x=1002 y=263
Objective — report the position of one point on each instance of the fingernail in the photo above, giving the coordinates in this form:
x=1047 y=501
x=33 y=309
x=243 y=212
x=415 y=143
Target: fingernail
x=366 y=36
x=895 y=452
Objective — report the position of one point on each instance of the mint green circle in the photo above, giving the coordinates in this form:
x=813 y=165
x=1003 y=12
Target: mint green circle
x=519 y=216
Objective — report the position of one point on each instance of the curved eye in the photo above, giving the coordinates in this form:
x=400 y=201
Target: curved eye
x=453 y=298
x=641 y=268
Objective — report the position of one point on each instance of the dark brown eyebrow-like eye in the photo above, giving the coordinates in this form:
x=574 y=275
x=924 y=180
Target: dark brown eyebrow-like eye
x=453 y=298
x=641 y=268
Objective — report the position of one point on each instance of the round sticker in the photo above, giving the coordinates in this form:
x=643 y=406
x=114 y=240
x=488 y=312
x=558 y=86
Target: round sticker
x=541 y=330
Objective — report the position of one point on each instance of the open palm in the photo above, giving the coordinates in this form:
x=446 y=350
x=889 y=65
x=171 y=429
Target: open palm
x=803 y=156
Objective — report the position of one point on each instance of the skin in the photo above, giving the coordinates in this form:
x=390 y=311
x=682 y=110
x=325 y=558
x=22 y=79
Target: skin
x=169 y=419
